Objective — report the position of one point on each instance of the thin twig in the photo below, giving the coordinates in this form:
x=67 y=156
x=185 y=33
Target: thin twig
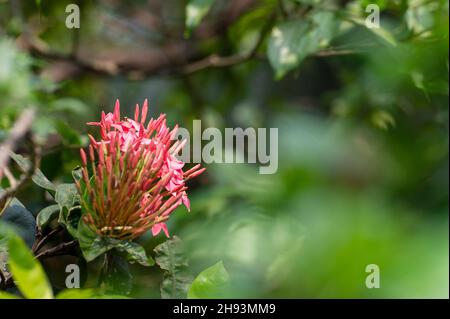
x=39 y=244
x=58 y=250
x=8 y=193
x=220 y=62
x=20 y=128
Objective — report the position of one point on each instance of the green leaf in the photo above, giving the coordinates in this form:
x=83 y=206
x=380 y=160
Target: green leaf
x=87 y=294
x=385 y=35
x=19 y=221
x=38 y=177
x=95 y=248
x=91 y=244
x=170 y=258
x=66 y=195
x=292 y=41
x=284 y=49
x=5 y=295
x=420 y=17
x=380 y=32
x=110 y=296
x=69 y=135
x=70 y=218
x=46 y=215
x=135 y=253
x=27 y=272
x=76 y=293
x=118 y=278
x=195 y=11
x=5 y=233
x=209 y=283
x=70 y=105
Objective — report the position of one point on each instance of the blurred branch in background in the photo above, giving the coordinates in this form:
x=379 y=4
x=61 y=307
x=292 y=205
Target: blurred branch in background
x=173 y=60
x=175 y=56
x=20 y=130
x=218 y=61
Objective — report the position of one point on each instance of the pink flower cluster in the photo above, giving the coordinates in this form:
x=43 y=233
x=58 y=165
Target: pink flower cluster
x=134 y=181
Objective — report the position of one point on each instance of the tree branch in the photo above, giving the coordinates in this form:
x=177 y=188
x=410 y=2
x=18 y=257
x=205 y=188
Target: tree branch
x=58 y=250
x=42 y=240
x=175 y=58
x=220 y=62
x=20 y=129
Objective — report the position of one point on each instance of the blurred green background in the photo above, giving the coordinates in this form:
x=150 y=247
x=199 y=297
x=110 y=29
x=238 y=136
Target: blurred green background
x=362 y=116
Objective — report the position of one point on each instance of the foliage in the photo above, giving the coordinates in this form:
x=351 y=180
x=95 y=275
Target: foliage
x=362 y=115
x=31 y=279
x=209 y=283
x=169 y=256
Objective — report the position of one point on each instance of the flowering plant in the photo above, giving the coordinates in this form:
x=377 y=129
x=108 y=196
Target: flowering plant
x=130 y=181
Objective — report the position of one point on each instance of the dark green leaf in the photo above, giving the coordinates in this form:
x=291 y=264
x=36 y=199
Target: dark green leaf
x=71 y=219
x=38 y=177
x=20 y=220
x=135 y=253
x=170 y=258
x=91 y=244
x=46 y=215
x=118 y=278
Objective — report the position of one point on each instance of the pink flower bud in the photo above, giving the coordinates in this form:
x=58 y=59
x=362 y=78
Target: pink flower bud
x=137 y=179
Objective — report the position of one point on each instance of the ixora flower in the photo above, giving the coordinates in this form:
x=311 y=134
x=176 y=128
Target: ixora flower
x=131 y=179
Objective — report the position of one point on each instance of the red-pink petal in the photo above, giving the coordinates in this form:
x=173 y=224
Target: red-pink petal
x=156 y=229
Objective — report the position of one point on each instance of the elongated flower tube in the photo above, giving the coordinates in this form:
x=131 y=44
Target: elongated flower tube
x=131 y=180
